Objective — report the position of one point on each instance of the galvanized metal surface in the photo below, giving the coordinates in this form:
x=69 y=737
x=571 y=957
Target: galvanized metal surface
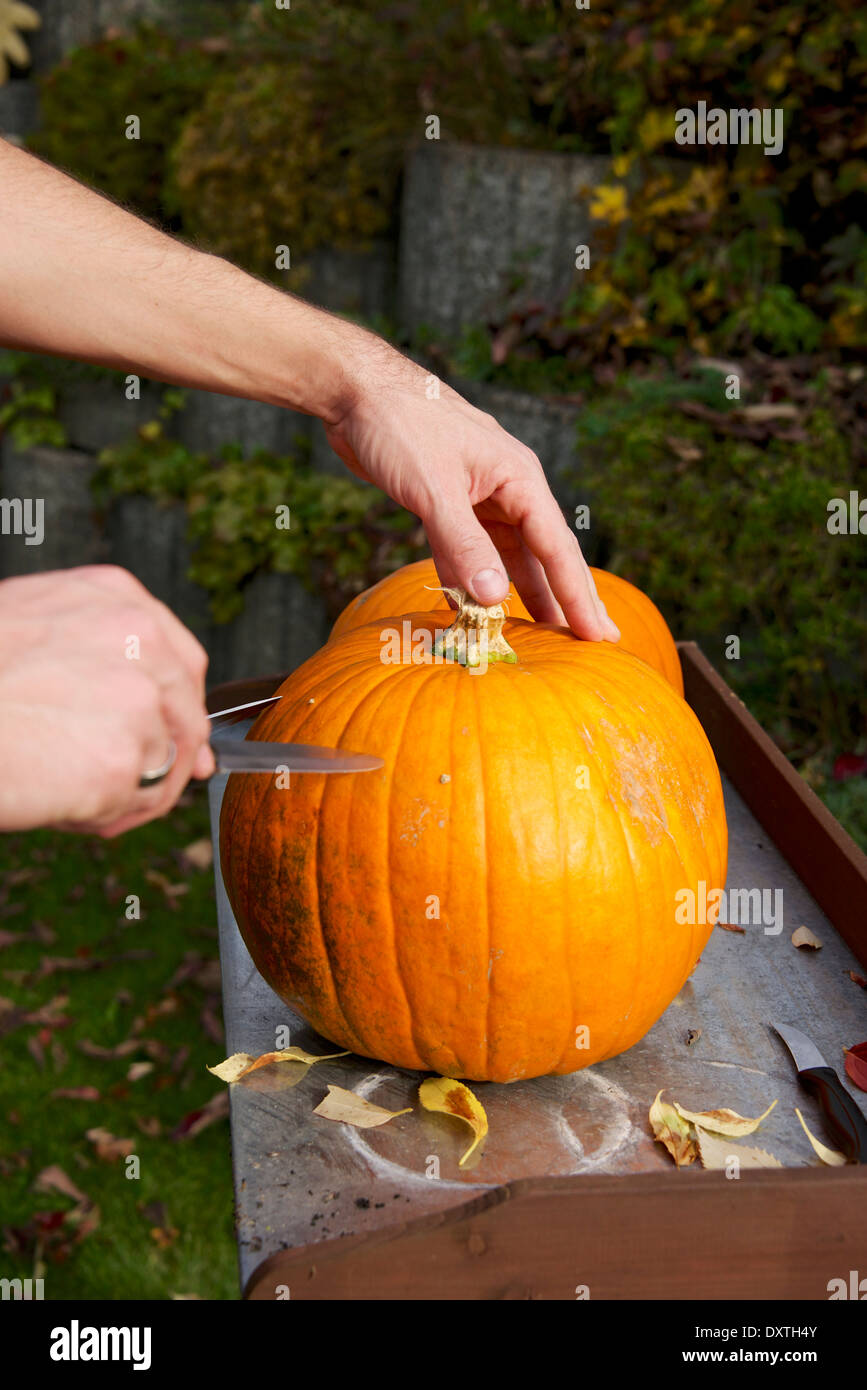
x=300 y=1179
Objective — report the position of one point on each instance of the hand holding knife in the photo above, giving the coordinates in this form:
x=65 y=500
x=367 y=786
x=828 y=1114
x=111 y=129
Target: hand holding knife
x=253 y=755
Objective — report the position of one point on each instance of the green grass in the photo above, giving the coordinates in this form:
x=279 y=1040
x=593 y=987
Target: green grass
x=77 y=888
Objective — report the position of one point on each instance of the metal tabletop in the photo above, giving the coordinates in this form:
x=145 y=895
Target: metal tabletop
x=300 y=1179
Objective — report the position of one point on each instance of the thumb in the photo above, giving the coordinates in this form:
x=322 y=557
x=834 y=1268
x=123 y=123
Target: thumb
x=464 y=553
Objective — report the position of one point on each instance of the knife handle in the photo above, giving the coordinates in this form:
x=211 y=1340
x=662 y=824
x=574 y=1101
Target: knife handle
x=844 y=1116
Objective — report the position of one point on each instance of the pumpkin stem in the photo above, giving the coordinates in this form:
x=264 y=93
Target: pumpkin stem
x=476 y=633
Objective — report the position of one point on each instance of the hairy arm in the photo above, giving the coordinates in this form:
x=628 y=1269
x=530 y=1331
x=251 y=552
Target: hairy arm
x=83 y=278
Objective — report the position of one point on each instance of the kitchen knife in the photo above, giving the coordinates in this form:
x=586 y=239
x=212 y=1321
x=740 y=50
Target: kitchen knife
x=842 y=1113
x=253 y=755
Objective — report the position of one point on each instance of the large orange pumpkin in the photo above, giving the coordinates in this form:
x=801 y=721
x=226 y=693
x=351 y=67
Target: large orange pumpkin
x=415 y=589
x=499 y=900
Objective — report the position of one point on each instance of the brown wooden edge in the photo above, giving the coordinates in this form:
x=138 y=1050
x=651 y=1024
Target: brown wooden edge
x=676 y=1235
x=823 y=856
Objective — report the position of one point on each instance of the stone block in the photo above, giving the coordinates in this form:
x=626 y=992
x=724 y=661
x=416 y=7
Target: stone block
x=473 y=215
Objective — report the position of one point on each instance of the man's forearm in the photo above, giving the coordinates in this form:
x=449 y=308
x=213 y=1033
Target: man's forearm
x=81 y=277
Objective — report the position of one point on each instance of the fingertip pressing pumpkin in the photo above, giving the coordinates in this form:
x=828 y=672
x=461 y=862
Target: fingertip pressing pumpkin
x=415 y=588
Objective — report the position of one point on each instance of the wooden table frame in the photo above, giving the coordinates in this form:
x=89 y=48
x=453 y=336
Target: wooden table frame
x=769 y=1235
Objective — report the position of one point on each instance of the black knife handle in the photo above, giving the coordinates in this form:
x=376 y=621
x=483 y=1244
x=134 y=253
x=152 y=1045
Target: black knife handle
x=842 y=1113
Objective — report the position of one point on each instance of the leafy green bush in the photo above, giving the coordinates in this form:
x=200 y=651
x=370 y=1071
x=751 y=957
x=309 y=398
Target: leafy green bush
x=87 y=98
x=721 y=516
x=290 y=127
x=257 y=167
x=30 y=417
x=341 y=535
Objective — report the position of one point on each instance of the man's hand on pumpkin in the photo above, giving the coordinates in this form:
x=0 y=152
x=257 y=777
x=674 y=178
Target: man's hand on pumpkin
x=481 y=495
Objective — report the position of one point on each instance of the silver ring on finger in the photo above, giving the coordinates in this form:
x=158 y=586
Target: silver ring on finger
x=150 y=779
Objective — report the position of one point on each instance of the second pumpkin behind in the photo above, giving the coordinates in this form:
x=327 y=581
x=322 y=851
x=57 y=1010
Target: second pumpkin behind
x=416 y=588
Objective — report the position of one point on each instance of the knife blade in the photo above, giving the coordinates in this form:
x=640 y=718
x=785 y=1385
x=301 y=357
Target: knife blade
x=254 y=755
x=842 y=1113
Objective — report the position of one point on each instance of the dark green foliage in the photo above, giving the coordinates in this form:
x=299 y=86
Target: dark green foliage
x=724 y=523
x=342 y=535
x=169 y=1231
x=86 y=101
x=291 y=126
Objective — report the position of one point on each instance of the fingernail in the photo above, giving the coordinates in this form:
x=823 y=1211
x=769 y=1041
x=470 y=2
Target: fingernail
x=612 y=632
x=489 y=586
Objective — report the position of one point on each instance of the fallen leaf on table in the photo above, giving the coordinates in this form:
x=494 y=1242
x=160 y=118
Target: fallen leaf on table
x=108 y=1147
x=727 y=1122
x=832 y=1157
x=692 y=1036
x=804 y=937
x=730 y=926
x=53 y=1179
x=856 y=1065
x=351 y=1109
x=242 y=1063
x=198 y=855
x=448 y=1097
x=716 y=1153
x=857 y=979
x=76 y=1093
x=672 y=1131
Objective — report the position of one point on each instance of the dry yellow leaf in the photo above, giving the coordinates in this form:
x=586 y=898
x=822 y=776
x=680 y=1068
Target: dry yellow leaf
x=449 y=1097
x=804 y=937
x=717 y=1153
x=241 y=1063
x=13 y=17
x=351 y=1109
x=727 y=1122
x=669 y=1129
x=832 y=1157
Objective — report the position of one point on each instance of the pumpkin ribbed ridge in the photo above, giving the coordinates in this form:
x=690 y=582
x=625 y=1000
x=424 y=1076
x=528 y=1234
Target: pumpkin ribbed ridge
x=415 y=588
x=555 y=903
